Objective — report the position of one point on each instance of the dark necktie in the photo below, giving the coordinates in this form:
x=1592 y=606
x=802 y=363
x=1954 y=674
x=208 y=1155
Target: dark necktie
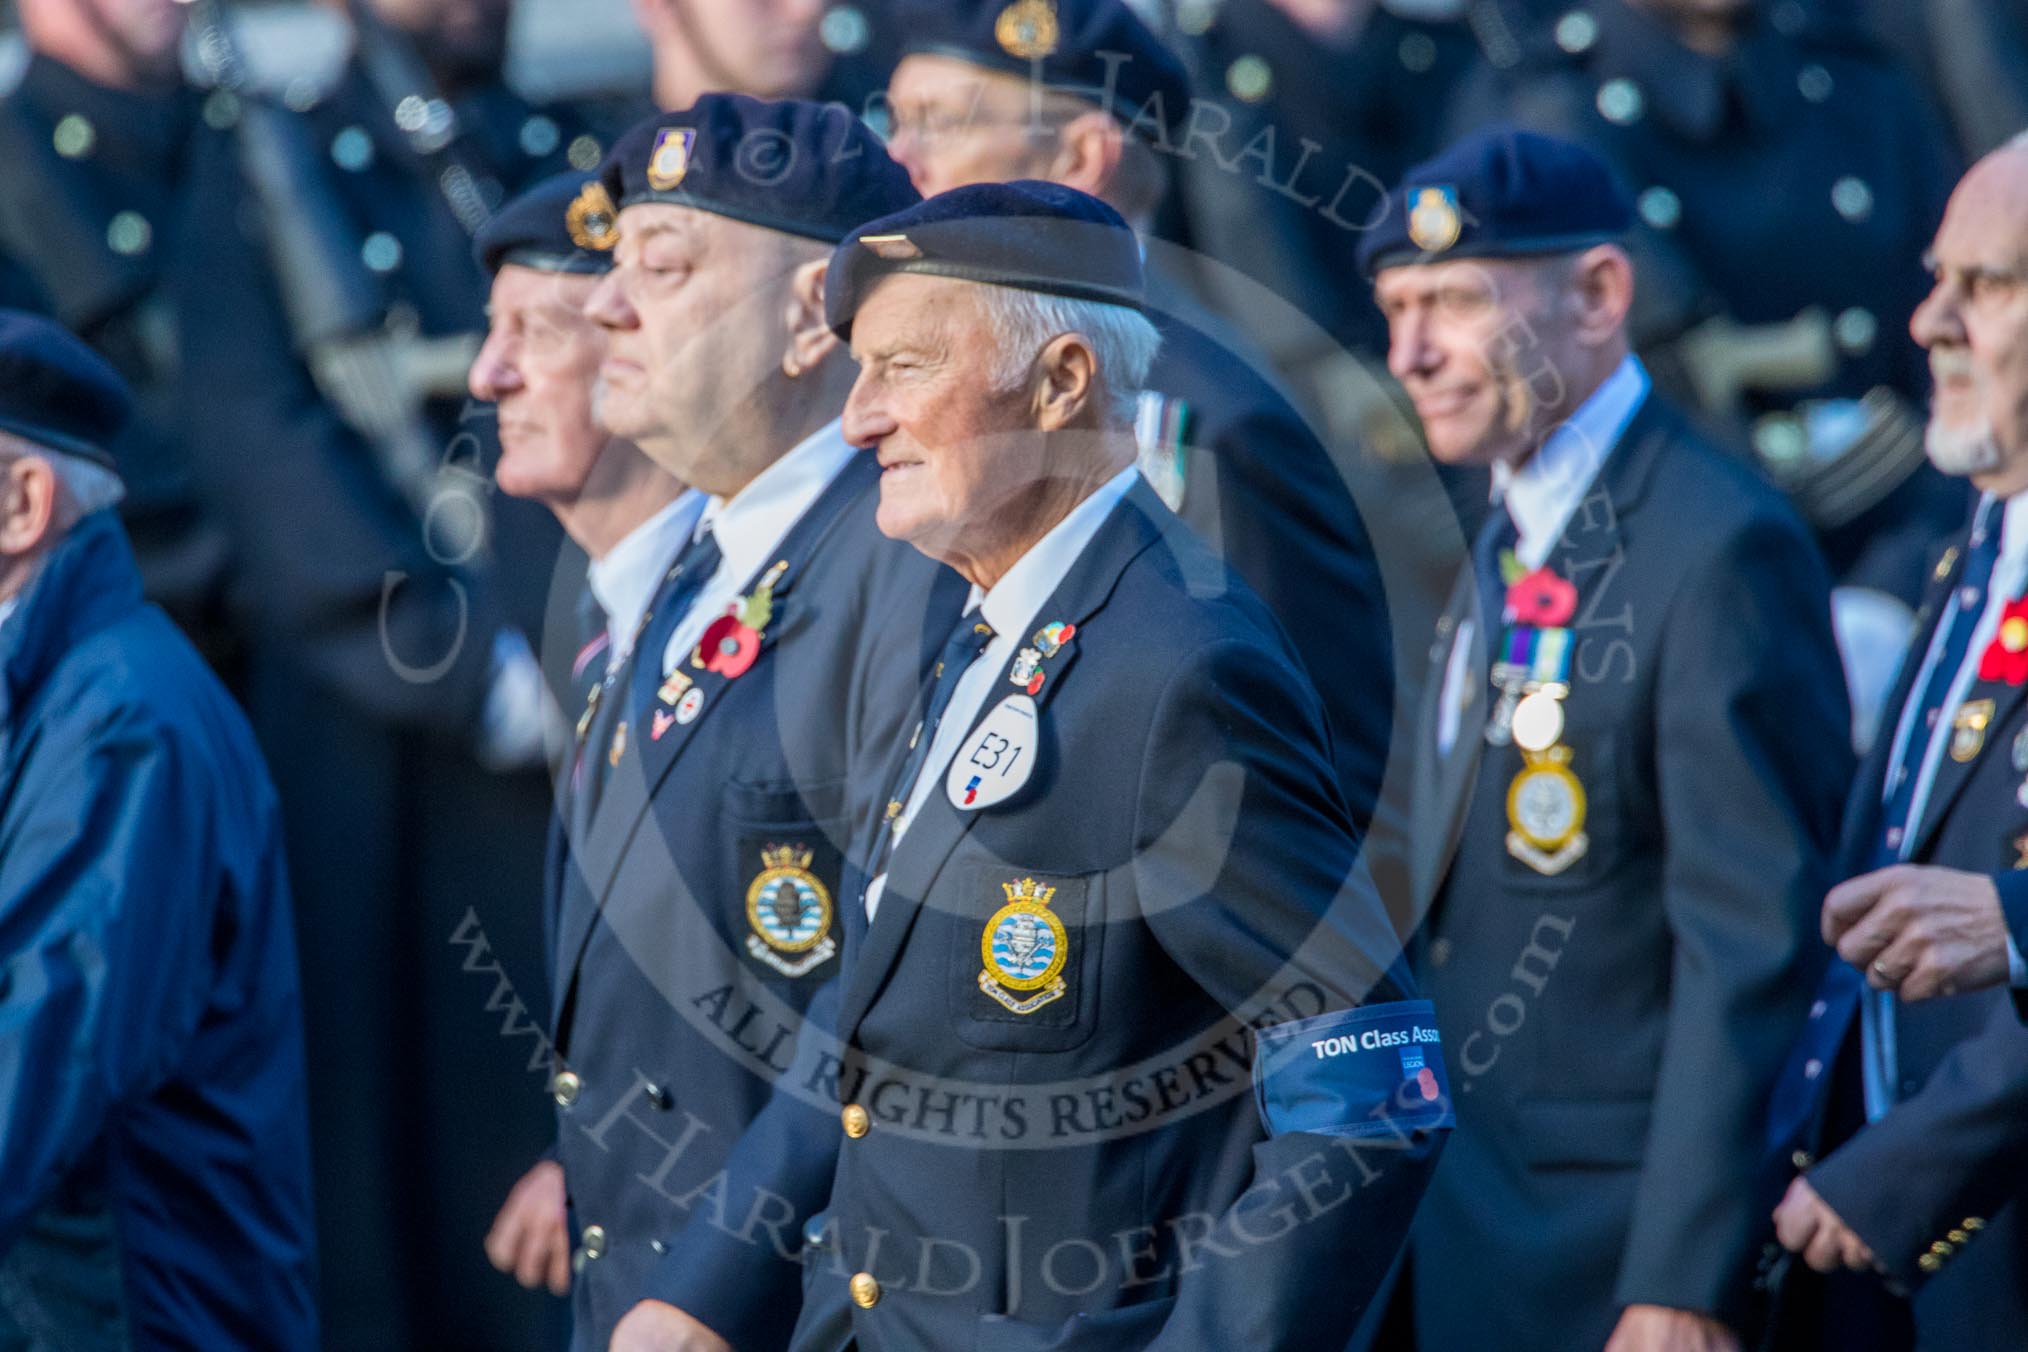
x=1497 y=536
x=1881 y=1063
x=966 y=642
x=686 y=577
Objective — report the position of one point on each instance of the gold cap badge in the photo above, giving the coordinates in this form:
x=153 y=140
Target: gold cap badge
x=593 y=221
x=670 y=160
x=1027 y=30
x=1433 y=222
x=894 y=248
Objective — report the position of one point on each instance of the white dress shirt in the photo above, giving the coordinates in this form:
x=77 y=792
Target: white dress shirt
x=2010 y=574
x=751 y=524
x=1541 y=496
x=1014 y=608
x=625 y=579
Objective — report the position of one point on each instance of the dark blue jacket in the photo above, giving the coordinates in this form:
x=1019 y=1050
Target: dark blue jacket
x=149 y=1027
x=1614 y=1027
x=1936 y=1187
x=1183 y=825
x=673 y=1008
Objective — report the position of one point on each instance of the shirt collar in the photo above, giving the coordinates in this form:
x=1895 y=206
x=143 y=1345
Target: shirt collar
x=2013 y=525
x=1542 y=494
x=751 y=523
x=1026 y=587
x=625 y=579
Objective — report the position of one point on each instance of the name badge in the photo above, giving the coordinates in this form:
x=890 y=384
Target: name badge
x=994 y=763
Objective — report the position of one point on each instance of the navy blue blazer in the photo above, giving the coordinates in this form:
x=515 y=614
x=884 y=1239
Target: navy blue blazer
x=1935 y=1187
x=154 y=1134
x=699 y=915
x=1615 y=1025
x=1107 y=1156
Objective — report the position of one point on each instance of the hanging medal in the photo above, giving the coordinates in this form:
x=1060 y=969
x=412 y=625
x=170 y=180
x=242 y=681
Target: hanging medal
x=1546 y=811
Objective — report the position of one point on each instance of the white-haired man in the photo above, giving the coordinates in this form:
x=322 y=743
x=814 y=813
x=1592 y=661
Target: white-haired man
x=1112 y=846
x=1912 y=1082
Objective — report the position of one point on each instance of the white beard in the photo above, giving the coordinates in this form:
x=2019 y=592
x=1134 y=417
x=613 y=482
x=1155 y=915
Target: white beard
x=1961 y=451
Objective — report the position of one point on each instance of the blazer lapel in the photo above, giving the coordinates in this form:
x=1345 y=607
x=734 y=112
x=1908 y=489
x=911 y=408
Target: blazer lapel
x=1137 y=522
x=646 y=761
x=1444 y=778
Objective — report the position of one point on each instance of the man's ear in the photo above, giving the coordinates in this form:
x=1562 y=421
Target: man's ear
x=1602 y=286
x=810 y=337
x=1066 y=381
x=28 y=499
x=1088 y=151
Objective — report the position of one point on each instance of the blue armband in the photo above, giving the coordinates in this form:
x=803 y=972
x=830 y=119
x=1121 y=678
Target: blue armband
x=1373 y=1071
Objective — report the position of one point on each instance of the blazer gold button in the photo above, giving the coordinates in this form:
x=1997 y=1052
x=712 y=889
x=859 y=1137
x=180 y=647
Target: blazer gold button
x=865 y=1291
x=1929 y=1262
x=856 y=1122
x=1974 y=1224
x=1957 y=1236
x=1940 y=1249
x=594 y=1241
x=1802 y=1159
x=565 y=1088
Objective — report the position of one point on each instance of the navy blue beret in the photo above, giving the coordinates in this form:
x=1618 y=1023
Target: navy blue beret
x=57 y=392
x=1098 y=50
x=1027 y=235
x=1501 y=192
x=562 y=224
x=809 y=169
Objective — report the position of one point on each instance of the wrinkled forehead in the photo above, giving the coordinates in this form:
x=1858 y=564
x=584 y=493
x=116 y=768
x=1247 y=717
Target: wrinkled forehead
x=1985 y=223
x=908 y=310
x=1489 y=279
x=517 y=288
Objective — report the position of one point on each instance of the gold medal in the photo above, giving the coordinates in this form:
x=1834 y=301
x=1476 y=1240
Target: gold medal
x=1545 y=813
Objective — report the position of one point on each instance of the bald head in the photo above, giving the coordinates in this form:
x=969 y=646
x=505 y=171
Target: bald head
x=1974 y=324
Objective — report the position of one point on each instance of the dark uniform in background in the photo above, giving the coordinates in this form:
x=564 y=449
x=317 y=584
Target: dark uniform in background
x=1786 y=188
x=1617 y=901
x=1283 y=172
x=93 y=204
x=154 y=1140
x=383 y=638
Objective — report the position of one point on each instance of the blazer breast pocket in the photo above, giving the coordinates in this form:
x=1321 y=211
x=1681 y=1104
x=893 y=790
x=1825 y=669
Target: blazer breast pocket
x=1024 y=958
x=789 y=840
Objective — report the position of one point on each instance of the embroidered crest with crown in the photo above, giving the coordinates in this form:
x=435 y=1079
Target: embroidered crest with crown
x=1024 y=947
x=790 y=911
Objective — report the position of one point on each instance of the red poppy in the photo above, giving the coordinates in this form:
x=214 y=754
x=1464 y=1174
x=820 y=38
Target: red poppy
x=2006 y=657
x=728 y=647
x=1542 y=599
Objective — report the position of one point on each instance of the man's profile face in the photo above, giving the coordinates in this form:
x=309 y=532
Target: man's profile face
x=955 y=452
x=1477 y=345
x=1974 y=323
x=538 y=364
x=694 y=315
x=954 y=123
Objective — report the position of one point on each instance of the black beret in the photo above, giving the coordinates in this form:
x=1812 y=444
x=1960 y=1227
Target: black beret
x=1027 y=235
x=810 y=169
x=562 y=224
x=1501 y=192
x=1098 y=50
x=57 y=392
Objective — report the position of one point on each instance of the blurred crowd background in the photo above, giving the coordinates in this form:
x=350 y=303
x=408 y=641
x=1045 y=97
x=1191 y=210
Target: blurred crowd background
x=262 y=212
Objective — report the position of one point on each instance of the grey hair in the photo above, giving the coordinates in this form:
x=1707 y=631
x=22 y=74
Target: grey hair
x=1024 y=322
x=84 y=487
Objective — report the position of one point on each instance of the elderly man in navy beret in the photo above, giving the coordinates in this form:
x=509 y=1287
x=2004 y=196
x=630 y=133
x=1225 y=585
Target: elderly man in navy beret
x=1082 y=93
x=1123 y=1062
x=753 y=685
x=545 y=251
x=1629 y=764
x=154 y=1143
